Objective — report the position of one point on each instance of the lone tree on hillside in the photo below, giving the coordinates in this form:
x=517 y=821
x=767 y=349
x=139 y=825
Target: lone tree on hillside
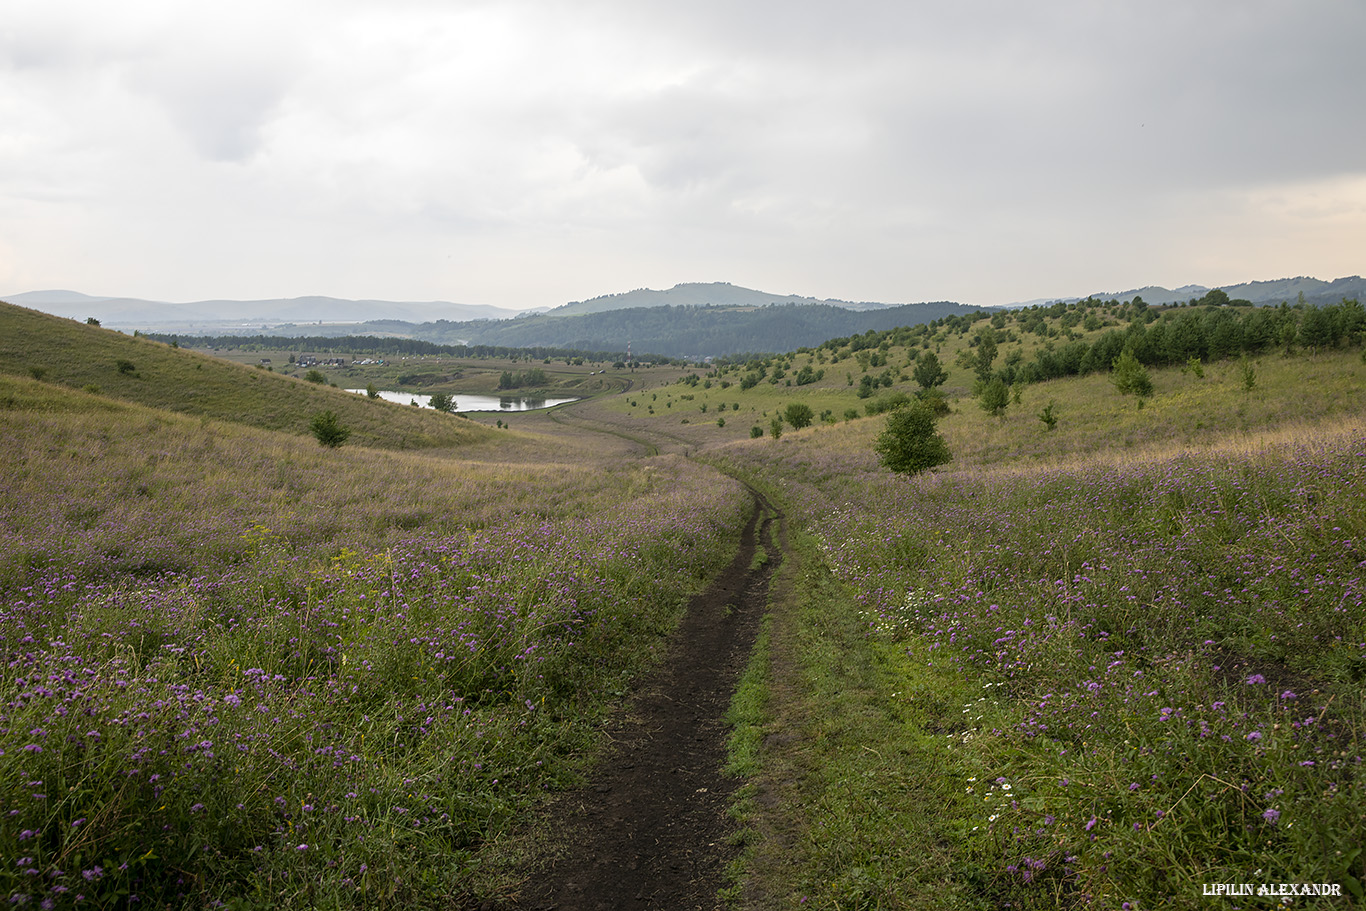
x=799 y=415
x=986 y=353
x=1129 y=376
x=328 y=429
x=909 y=444
x=928 y=372
x=995 y=396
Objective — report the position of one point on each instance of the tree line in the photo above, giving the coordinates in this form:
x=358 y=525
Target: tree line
x=1178 y=336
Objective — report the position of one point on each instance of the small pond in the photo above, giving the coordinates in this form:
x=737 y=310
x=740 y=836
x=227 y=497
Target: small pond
x=474 y=402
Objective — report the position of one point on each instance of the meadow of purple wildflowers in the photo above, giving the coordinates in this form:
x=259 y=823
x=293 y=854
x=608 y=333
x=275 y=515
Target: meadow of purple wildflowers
x=239 y=668
x=1169 y=648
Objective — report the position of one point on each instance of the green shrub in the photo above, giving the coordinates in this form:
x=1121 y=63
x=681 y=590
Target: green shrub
x=328 y=429
x=910 y=444
x=799 y=415
x=934 y=400
x=1131 y=377
x=1248 y=373
x=886 y=403
x=995 y=396
x=1048 y=417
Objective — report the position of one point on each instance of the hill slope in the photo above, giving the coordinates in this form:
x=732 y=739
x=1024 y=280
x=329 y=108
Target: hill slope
x=138 y=370
x=697 y=294
x=683 y=331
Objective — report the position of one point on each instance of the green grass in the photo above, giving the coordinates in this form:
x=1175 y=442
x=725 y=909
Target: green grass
x=848 y=796
x=79 y=356
x=1106 y=641
x=1006 y=681
x=241 y=667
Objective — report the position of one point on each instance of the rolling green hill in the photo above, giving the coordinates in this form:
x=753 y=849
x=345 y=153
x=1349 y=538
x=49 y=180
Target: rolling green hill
x=680 y=331
x=135 y=369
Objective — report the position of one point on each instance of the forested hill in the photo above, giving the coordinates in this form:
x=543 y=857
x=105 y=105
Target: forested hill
x=678 y=331
x=699 y=294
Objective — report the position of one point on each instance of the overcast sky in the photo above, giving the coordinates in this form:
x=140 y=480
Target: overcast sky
x=527 y=153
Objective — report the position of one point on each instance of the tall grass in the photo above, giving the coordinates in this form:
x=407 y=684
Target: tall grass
x=137 y=370
x=241 y=669
x=1167 y=641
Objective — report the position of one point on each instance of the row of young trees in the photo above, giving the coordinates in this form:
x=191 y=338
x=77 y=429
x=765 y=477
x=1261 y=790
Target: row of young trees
x=1208 y=334
x=533 y=377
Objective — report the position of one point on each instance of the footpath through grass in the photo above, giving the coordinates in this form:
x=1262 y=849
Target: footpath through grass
x=239 y=669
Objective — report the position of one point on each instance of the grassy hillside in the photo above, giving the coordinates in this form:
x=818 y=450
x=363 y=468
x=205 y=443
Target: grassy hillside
x=134 y=369
x=1199 y=398
x=1081 y=667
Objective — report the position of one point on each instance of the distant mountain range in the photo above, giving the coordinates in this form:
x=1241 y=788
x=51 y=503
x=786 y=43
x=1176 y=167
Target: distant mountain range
x=687 y=320
x=1315 y=291
x=134 y=313
x=696 y=294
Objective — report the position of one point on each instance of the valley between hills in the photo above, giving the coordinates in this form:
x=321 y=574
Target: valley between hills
x=702 y=637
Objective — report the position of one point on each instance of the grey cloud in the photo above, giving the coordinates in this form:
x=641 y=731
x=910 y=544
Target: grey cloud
x=888 y=140
x=220 y=99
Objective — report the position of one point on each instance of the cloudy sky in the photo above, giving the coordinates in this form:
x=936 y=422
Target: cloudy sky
x=526 y=153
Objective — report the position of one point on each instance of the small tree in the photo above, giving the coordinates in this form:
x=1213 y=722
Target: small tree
x=928 y=372
x=934 y=400
x=1131 y=377
x=442 y=402
x=1048 y=417
x=909 y=444
x=370 y=390
x=1316 y=329
x=775 y=427
x=328 y=429
x=986 y=353
x=316 y=376
x=995 y=396
x=799 y=415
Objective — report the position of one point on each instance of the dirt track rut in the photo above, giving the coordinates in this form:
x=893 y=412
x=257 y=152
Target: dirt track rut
x=650 y=829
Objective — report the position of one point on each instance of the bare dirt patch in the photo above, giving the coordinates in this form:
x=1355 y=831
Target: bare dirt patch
x=650 y=829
